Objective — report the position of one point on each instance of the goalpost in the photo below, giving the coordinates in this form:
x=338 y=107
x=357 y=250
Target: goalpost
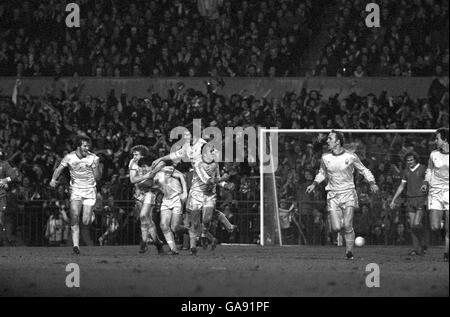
x=270 y=226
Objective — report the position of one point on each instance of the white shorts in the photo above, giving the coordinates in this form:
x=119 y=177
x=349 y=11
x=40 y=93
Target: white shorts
x=438 y=199
x=172 y=205
x=197 y=201
x=338 y=201
x=87 y=196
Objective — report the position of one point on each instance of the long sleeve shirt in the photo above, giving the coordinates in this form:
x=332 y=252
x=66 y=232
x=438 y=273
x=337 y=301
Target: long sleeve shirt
x=437 y=170
x=338 y=171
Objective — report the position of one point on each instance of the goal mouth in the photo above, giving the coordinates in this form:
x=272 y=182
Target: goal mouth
x=270 y=225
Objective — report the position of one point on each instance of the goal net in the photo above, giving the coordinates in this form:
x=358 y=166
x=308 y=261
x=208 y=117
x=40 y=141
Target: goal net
x=290 y=159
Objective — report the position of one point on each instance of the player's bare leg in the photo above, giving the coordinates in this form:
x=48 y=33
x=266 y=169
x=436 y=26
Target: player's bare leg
x=87 y=220
x=75 y=210
x=148 y=228
x=415 y=221
x=435 y=223
x=206 y=225
x=224 y=220
x=349 y=233
x=194 y=227
x=166 y=219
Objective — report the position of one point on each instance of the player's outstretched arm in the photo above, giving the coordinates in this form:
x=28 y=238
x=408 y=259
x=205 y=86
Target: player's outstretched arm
x=400 y=189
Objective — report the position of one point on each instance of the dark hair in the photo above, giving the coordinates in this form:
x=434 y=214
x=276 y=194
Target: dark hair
x=339 y=135
x=444 y=133
x=82 y=138
x=146 y=160
x=413 y=154
x=142 y=149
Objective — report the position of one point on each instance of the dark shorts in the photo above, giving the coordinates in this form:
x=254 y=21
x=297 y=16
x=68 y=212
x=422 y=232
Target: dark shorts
x=415 y=203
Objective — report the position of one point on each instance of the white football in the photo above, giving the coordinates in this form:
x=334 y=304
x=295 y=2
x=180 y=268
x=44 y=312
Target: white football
x=360 y=241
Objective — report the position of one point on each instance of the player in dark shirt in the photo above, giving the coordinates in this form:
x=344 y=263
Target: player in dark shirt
x=412 y=178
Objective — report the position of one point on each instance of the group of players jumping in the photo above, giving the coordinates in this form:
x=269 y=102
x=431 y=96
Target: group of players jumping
x=152 y=178
x=426 y=187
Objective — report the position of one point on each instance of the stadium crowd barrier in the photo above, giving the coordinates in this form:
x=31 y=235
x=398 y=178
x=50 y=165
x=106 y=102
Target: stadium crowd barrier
x=416 y=87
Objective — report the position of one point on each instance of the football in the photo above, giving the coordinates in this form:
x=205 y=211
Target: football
x=359 y=241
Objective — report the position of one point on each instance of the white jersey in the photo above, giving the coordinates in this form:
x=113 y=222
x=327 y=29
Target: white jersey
x=437 y=171
x=81 y=170
x=169 y=185
x=193 y=153
x=338 y=171
x=202 y=173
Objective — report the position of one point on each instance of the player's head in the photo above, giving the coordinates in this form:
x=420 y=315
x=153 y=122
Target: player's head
x=83 y=144
x=2 y=153
x=139 y=151
x=209 y=153
x=335 y=138
x=411 y=159
x=145 y=161
x=441 y=137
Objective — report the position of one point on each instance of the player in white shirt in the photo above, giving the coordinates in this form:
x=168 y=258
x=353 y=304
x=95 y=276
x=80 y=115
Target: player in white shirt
x=145 y=195
x=173 y=185
x=337 y=168
x=84 y=171
x=436 y=183
x=193 y=153
x=201 y=201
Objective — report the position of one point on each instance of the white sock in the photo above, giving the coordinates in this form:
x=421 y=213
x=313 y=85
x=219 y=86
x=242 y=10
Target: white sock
x=76 y=235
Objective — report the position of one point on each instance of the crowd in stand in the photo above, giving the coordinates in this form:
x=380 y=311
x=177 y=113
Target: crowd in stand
x=157 y=38
x=39 y=130
x=412 y=40
x=222 y=37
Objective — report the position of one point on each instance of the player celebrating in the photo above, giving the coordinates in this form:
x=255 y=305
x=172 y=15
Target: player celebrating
x=84 y=171
x=436 y=182
x=173 y=185
x=7 y=175
x=141 y=175
x=202 y=195
x=337 y=167
x=412 y=179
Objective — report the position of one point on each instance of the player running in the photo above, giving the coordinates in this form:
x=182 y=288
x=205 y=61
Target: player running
x=412 y=178
x=145 y=196
x=202 y=196
x=337 y=168
x=84 y=172
x=436 y=182
x=7 y=175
